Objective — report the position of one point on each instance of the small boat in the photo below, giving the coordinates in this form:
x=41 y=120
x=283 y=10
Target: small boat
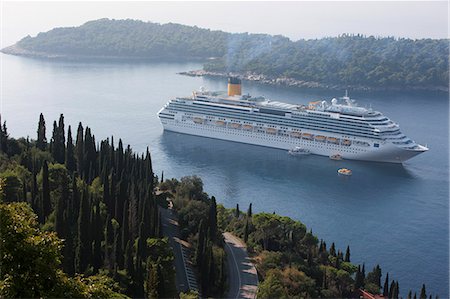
x=247 y=127
x=346 y=142
x=220 y=123
x=198 y=120
x=344 y=171
x=336 y=157
x=307 y=136
x=333 y=140
x=296 y=134
x=319 y=138
x=235 y=125
x=298 y=151
x=271 y=131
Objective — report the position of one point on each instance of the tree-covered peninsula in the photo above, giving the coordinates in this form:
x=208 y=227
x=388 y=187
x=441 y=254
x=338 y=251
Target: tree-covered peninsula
x=347 y=61
x=83 y=219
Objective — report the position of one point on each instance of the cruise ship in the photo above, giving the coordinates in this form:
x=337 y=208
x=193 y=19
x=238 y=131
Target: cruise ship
x=338 y=127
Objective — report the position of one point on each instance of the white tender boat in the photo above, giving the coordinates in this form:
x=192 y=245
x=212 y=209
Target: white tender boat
x=298 y=151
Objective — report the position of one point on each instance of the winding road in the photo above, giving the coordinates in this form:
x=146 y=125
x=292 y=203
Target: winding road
x=243 y=278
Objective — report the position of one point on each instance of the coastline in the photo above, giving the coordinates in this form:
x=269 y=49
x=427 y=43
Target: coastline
x=291 y=82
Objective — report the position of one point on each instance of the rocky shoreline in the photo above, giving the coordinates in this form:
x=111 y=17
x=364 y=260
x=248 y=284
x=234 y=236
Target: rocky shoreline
x=291 y=82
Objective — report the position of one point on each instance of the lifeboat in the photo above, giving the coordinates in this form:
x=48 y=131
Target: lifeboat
x=220 y=123
x=296 y=134
x=346 y=142
x=271 y=131
x=235 y=125
x=336 y=157
x=247 y=127
x=307 y=136
x=344 y=171
x=319 y=138
x=333 y=140
x=198 y=120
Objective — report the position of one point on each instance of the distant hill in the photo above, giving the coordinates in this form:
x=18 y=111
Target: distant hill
x=347 y=60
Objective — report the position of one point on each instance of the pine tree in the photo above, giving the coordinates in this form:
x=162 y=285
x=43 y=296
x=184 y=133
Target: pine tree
x=347 y=255
x=46 y=203
x=237 y=212
x=41 y=142
x=70 y=152
x=162 y=176
x=386 y=286
x=391 y=290
x=249 y=211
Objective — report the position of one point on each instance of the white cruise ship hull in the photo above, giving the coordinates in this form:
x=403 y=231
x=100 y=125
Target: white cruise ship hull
x=386 y=152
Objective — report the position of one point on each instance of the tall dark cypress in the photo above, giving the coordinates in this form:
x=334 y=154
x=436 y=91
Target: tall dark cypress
x=41 y=142
x=213 y=220
x=386 y=286
x=332 y=250
x=249 y=211
x=347 y=255
x=79 y=150
x=128 y=259
x=199 y=253
x=237 y=212
x=246 y=231
x=83 y=244
x=70 y=152
x=423 y=292
x=61 y=140
x=46 y=203
x=96 y=246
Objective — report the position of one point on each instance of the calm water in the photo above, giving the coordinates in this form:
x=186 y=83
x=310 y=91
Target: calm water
x=393 y=215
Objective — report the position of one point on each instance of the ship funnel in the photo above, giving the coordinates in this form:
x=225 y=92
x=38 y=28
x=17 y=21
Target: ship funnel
x=234 y=86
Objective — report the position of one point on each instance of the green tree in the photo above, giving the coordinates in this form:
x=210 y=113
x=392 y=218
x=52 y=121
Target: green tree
x=70 y=152
x=272 y=287
x=41 y=142
x=46 y=202
x=423 y=292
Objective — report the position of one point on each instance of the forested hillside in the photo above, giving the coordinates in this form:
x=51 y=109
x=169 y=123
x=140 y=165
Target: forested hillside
x=344 y=61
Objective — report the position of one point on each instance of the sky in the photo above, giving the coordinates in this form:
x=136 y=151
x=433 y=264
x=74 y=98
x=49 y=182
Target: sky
x=296 y=20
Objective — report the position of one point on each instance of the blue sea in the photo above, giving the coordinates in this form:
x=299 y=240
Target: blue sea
x=393 y=215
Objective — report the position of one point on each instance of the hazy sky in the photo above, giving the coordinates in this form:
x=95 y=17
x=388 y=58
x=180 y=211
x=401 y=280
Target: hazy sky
x=414 y=19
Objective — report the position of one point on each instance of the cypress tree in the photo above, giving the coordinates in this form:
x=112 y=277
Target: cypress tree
x=397 y=290
x=83 y=244
x=70 y=152
x=415 y=295
x=96 y=246
x=109 y=239
x=246 y=231
x=200 y=245
x=391 y=290
x=409 y=295
x=41 y=142
x=61 y=140
x=162 y=176
x=128 y=259
x=237 y=212
x=423 y=292
x=213 y=220
x=347 y=255
x=79 y=150
x=46 y=203
x=386 y=286
x=4 y=138
x=332 y=250
x=249 y=211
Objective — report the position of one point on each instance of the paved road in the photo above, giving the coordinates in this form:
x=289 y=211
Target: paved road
x=185 y=278
x=243 y=279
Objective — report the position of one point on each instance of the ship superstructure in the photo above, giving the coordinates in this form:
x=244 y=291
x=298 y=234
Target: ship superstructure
x=336 y=128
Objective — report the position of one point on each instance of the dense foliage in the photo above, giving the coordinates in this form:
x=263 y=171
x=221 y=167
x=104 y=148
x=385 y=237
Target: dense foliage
x=347 y=60
x=293 y=263
x=98 y=199
x=197 y=216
